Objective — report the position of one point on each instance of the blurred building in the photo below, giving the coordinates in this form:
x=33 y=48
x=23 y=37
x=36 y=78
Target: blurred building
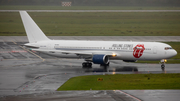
x=65 y=4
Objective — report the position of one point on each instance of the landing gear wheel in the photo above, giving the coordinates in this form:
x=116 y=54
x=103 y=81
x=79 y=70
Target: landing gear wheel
x=162 y=67
x=87 y=65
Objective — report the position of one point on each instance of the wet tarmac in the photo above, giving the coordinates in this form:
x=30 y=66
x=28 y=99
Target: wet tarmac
x=30 y=76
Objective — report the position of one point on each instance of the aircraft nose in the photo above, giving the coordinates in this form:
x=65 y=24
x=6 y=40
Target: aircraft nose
x=171 y=53
x=174 y=52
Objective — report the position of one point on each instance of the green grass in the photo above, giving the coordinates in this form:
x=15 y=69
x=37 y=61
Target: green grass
x=176 y=59
x=87 y=8
x=123 y=82
x=169 y=61
x=95 y=24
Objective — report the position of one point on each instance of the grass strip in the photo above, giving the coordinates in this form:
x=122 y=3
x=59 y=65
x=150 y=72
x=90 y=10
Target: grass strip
x=169 y=61
x=95 y=24
x=30 y=7
x=123 y=82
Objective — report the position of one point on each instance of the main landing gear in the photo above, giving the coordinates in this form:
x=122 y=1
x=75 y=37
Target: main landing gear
x=163 y=64
x=87 y=65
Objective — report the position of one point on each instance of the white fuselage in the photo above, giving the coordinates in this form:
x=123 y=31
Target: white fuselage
x=123 y=50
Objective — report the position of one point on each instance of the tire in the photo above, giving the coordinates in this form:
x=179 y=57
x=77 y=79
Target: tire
x=162 y=67
x=86 y=65
x=83 y=65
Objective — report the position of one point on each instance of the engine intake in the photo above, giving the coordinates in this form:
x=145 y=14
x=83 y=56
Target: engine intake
x=100 y=59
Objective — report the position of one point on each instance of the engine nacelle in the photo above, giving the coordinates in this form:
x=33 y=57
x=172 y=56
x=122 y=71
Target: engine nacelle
x=100 y=59
x=130 y=60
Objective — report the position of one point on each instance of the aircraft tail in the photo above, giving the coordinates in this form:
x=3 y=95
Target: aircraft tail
x=34 y=33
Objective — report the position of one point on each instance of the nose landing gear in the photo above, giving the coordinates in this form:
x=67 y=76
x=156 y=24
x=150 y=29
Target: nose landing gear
x=163 y=64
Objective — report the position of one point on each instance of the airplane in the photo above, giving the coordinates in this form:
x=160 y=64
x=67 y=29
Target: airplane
x=97 y=52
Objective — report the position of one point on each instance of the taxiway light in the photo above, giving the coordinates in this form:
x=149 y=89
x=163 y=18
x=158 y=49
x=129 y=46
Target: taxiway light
x=100 y=79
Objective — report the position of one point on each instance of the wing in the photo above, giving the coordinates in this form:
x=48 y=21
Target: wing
x=84 y=54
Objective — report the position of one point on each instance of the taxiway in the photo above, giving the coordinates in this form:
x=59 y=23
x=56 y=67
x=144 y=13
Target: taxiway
x=30 y=76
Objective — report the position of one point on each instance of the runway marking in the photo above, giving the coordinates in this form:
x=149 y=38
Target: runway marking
x=14 y=42
x=14 y=51
x=30 y=51
x=129 y=95
x=20 y=64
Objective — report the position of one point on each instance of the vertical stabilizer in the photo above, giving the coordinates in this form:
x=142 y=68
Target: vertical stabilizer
x=34 y=33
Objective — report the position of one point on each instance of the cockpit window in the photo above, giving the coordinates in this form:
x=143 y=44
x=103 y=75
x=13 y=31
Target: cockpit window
x=167 y=48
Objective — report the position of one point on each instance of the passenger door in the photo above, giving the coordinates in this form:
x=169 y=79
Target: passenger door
x=155 y=50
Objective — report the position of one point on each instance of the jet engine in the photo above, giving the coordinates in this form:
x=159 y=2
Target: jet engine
x=100 y=59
